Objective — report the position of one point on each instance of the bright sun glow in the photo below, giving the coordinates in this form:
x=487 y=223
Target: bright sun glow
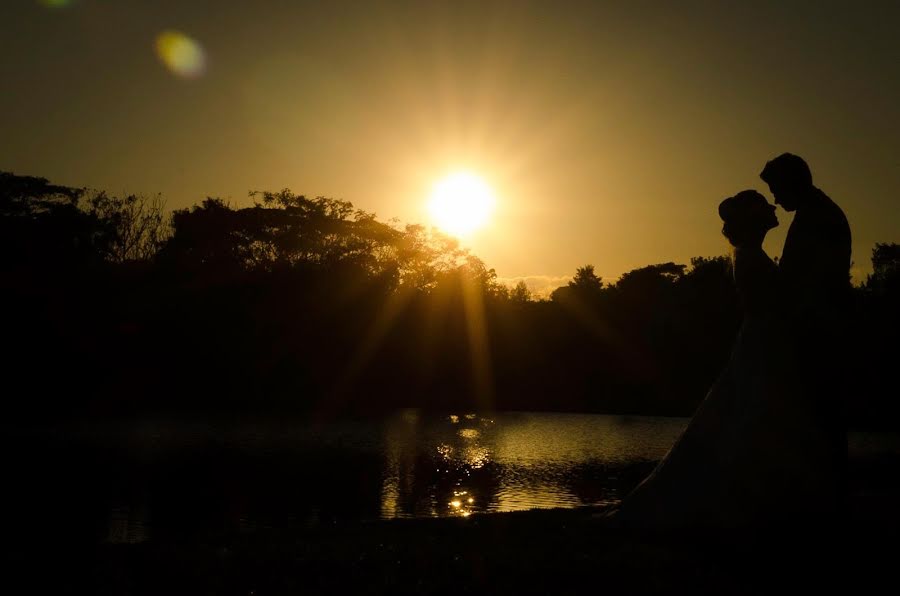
x=461 y=203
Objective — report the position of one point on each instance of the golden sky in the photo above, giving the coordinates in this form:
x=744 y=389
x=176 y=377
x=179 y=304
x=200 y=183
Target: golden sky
x=608 y=133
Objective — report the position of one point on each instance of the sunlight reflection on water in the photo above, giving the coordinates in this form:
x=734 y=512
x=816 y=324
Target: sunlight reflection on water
x=164 y=478
x=513 y=461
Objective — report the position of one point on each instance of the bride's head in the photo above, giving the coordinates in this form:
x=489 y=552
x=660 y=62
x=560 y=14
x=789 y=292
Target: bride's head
x=747 y=217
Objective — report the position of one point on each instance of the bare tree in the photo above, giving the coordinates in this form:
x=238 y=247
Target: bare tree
x=135 y=226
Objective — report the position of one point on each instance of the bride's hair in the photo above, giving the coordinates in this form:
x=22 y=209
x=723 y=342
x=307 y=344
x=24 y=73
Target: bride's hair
x=743 y=218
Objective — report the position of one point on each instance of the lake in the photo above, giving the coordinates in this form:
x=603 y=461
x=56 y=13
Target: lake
x=128 y=483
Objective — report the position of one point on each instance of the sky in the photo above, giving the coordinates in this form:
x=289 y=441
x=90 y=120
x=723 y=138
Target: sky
x=608 y=131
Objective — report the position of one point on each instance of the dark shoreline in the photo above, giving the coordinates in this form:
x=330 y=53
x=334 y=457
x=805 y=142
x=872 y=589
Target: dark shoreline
x=540 y=551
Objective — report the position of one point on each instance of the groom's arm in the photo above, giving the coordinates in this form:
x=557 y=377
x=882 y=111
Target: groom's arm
x=815 y=266
x=818 y=237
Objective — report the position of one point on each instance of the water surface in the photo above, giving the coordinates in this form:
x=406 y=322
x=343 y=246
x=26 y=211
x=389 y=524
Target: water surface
x=128 y=483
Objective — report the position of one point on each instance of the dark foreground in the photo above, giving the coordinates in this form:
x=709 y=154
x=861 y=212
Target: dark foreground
x=551 y=552
x=51 y=505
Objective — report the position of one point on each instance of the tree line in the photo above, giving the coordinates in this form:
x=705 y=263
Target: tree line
x=299 y=305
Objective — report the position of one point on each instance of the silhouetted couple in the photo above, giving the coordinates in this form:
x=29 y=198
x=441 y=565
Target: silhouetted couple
x=768 y=444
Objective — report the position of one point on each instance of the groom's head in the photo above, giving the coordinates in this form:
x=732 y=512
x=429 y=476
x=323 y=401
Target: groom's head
x=789 y=179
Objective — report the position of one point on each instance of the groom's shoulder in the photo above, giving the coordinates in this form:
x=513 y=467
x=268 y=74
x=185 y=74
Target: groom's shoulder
x=832 y=216
x=828 y=208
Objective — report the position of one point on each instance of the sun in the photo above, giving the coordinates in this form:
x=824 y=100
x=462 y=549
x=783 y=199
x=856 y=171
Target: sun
x=461 y=203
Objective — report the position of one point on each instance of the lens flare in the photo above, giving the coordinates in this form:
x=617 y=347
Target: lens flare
x=181 y=54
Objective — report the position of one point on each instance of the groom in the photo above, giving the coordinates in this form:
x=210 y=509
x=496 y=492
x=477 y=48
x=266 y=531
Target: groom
x=815 y=270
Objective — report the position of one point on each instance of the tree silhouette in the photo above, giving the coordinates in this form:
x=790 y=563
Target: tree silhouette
x=30 y=196
x=885 y=275
x=520 y=293
x=135 y=227
x=42 y=224
x=295 y=304
x=586 y=280
x=584 y=288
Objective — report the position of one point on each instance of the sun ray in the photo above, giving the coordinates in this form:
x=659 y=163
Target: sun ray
x=379 y=328
x=479 y=344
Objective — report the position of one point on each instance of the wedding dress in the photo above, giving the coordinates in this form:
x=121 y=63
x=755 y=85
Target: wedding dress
x=753 y=451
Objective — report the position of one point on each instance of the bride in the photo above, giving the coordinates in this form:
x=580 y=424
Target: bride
x=752 y=452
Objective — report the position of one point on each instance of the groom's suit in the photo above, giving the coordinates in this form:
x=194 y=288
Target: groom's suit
x=815 y=272
x=815 y=263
